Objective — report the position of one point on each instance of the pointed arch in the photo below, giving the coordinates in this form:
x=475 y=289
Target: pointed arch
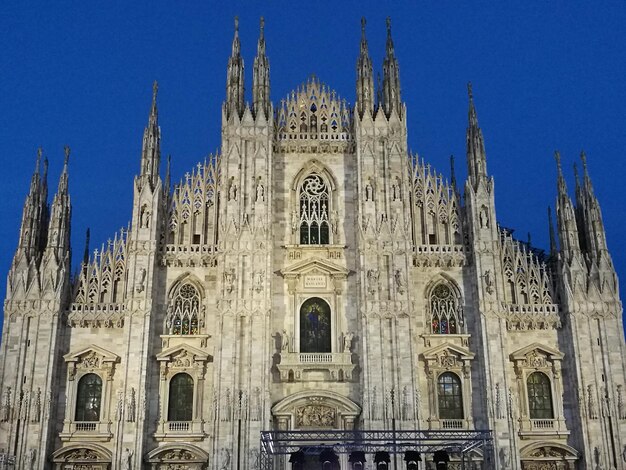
x=445 y=306
x=185 y=313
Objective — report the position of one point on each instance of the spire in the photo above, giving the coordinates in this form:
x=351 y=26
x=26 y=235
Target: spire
x=86 y=252
x=565 y=216
x=452 y=173
x=34 y=214
x=59 y=226
x=590 y=215
x=151 y=146
x=235 y=78
x=476 y=155
x=261 y=77
x=553 y=248
x=364 y=77
x=391 y=77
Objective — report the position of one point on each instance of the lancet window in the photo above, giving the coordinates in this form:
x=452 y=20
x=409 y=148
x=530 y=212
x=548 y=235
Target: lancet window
x=445 y=310
x=180 y=405
x=184 y=312
x=88 y=399
x=314 y=206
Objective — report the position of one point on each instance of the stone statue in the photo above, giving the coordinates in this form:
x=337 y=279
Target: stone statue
x=347 y=341
x=284 y=344
x=232 y=192
x=127 y=458
x=260 y=192
x=369 y=192
x=225 y=459
x=141 y=280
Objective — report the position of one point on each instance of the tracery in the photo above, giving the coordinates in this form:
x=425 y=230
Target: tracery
x=314 y=199
x=183 y=312
x=444 y=310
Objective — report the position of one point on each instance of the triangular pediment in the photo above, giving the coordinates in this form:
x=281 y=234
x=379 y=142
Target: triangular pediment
x=315 y=264
x=548 y=351
x=184 y=350
x=91 y=350
x=450 y=349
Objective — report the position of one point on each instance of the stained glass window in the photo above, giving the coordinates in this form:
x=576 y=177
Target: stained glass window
x=539 y=396
x=315 y=326
x=314 y=209
x=88 y=398
x=444 y=310
x=182 y=318
x=450 y=396
x=180 y=405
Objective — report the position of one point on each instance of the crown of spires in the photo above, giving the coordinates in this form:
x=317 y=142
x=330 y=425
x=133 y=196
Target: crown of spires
x=364 y=80
x=476 y=155
x=391 y=77
x=261 y=77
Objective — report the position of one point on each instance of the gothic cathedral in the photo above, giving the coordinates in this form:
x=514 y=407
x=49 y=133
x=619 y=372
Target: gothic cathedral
x=311 y=290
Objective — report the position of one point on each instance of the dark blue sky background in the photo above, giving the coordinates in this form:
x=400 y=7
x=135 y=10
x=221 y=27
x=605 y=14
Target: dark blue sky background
x=546 y=75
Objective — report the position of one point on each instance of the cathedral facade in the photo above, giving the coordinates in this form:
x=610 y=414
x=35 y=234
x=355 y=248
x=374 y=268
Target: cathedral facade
x=312 y=276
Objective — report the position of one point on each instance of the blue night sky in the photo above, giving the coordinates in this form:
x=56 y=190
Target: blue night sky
x=546 y=76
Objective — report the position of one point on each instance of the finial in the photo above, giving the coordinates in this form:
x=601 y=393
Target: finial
x=262 y=25
x=155 y=89
x=469 y=91
x=583 y=158
x=388 y=21
x=363 y=25
x=67 y=154
x=236 y=24
x=557 y=157
x=39 y=153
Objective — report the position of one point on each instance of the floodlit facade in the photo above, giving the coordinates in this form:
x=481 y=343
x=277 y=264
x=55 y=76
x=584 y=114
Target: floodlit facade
x=313 y=275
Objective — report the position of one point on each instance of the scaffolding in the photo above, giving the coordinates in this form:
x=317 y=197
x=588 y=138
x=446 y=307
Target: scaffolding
x=275 y=445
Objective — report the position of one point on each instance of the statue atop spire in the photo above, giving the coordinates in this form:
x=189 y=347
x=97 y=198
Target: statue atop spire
x=235 y=77
x=476 y=155
x=391 y=78
x=364 y=77
x=261 y=77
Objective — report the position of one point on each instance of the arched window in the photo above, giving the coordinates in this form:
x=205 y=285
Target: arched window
x=313 y=199
x=315 y=326
x=450 y=396
x=182 y=318
x=180 y=404
x=444 y=311
x=539 y=396
x=88 y=398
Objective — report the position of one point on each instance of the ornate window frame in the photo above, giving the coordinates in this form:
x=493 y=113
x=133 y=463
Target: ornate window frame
x=315 y=277
x=90 y=360
x=90 y=456
x=174 y=292
x=454 y=292
x=539 y=358
x=548 y=456
x=319 y=409
x=172 y=361
x=331 y=215
x=449 y=358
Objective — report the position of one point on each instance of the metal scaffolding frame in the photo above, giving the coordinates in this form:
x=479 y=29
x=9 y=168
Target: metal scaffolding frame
x=461 y=442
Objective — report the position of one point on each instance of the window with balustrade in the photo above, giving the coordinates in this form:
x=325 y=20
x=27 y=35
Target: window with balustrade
x=539 y=391
x=180 y=405
x=445 y=310
x=314 y=210
x=183 y=316
x=449 y=396
x=88 y=398
x=315 y=323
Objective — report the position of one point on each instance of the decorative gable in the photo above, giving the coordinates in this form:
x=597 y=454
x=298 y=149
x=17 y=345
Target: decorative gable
x=91 y=359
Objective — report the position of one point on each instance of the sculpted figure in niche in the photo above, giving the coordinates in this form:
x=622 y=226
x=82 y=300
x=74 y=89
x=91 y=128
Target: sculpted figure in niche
x=127 y=459
x=484 y=217
x=260 y=192
x=232 y=191
x=400 y=284
x=141 y=280
x=372 y=281
x=144 y=217
x=369 y=192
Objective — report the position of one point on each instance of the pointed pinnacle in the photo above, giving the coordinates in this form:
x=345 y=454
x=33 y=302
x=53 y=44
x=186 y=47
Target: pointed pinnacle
x=236 y=24
x=67 y=155
x=583 y=158
x=38 y=161
x=469 y=91
x=363 y=22
x=262 y=25
x=576 y=177
x=388 y=22
x=45 y=169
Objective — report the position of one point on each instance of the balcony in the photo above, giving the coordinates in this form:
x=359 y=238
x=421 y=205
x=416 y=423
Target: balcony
x=180 y=431
x=542 y=427
x=316 y=367
x=452 y=423
x=86 y=431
